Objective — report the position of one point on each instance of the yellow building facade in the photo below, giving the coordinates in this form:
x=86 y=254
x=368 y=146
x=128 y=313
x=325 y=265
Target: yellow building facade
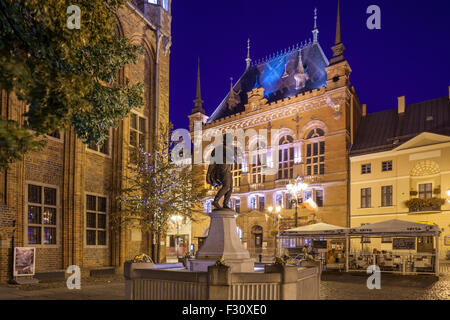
x=400 y=169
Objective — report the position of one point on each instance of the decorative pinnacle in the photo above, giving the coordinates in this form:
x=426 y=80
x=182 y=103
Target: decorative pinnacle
x=248 y=60
x=315 y=31
x=198 y=102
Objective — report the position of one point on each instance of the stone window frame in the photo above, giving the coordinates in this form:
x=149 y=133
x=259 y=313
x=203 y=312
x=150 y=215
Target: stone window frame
x=385 y=196
x=85 y=228
x=429 y=192
x=366 y=198
x=146 y=132
x=236 y=171
x=98 y=152
x=58 y=215
x=366 y=168
x=256 y=165
x=286 y=157
x=315 y=139
x=387 y=166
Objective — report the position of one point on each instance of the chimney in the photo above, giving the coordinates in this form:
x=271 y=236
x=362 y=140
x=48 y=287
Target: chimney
x=401 y=105
x=364 y=110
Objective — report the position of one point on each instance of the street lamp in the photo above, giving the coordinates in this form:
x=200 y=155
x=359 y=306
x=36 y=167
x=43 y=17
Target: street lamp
x=448 y=195
x=177 y=220
x=296 y=190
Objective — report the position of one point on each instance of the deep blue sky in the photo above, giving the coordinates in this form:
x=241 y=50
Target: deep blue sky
x=409 y=56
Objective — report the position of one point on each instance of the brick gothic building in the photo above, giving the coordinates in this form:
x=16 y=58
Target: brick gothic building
x=311 y=101
x=58 y=199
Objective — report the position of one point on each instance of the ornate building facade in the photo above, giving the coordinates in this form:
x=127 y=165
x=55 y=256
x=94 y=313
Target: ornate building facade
x=311 y=102
x=59 y=200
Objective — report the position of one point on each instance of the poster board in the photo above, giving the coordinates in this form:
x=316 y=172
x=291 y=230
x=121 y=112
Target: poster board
x=404 y=244
x=24 y=261
x=319 y=244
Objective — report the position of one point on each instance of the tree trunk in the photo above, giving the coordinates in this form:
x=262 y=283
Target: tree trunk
x=158 y=247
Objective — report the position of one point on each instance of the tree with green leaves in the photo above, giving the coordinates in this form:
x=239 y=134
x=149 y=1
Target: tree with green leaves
x=157 y=189
x=68 y=78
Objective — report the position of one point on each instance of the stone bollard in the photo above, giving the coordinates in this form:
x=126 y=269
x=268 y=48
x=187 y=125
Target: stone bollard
x=219 y=282
x=289 y=277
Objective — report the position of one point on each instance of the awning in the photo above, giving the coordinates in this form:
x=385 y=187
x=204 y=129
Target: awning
x=395 y=227
x=317 y=229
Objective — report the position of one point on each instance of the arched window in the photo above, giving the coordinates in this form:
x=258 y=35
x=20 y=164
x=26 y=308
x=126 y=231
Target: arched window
x=279 y=199
x=286 y=158
x=315 y=133
x=315 y=153
x=258 y=157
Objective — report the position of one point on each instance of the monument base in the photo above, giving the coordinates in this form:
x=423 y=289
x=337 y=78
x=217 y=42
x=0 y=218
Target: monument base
x=222 y=241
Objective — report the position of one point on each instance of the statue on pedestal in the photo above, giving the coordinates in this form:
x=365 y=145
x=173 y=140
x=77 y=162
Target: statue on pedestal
x=219 y=174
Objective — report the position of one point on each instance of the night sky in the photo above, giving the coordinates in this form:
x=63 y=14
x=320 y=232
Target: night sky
x=409 y=56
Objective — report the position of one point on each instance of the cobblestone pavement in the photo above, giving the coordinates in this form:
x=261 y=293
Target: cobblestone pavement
x=333 y=287
x=354 y=287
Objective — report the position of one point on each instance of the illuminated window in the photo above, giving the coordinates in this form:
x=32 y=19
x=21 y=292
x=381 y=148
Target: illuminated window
x=208 y=206
x=315 y=154
x=137 y=135
x=253 y=203
x=286 y=158
x=279 y=199
x=236 y=172
x=42 y=215
x=258 y=163
x=366 y=197
x=152 y=1
x=96 y=220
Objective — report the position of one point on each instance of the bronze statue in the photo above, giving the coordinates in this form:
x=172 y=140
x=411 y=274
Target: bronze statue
x=219 y=174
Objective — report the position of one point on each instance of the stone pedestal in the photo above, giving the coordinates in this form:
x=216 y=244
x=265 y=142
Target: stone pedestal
x=223 y=240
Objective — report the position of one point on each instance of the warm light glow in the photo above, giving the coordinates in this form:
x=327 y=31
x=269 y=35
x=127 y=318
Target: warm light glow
x=177 y=219
x=297 y=188
x=448 y=193
x=270 y=209
x=278 y=209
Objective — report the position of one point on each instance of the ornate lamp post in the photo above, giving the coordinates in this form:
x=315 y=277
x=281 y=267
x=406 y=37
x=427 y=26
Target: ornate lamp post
x=296 y=190
x=177 y=220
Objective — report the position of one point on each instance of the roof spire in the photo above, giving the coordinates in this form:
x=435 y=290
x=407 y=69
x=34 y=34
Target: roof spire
x=338 y=48
x=248 y=60
x=198 y=102
x=338 y=25
x=315 y=31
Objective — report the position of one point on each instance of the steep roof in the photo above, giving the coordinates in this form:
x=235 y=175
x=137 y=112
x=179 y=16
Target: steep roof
x=270 y=76
x=388 y=129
